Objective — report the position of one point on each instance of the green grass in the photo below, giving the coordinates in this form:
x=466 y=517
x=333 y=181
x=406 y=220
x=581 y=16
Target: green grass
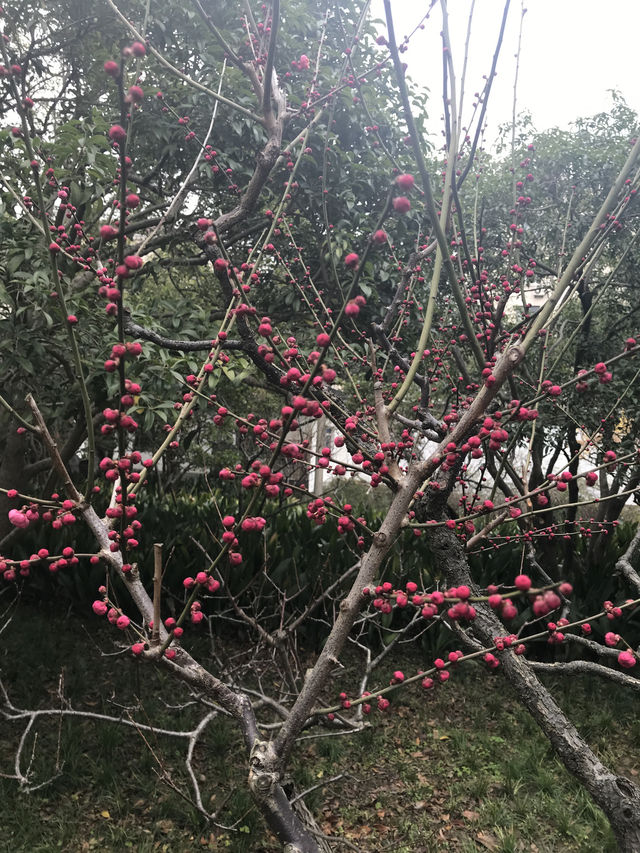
x=462 y=768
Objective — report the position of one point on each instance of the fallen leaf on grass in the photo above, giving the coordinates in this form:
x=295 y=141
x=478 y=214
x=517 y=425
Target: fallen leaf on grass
x=105 y=814
x=470 y=815
x=360 y=832
x=488 y=841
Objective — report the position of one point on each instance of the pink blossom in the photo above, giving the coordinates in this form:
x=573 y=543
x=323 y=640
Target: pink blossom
x=627 y=659
x=18 y=519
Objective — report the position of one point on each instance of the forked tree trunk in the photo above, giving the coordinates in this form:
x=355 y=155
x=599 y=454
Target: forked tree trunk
x=617 y=796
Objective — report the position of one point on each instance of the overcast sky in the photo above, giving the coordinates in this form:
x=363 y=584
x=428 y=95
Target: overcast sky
x=573 y=51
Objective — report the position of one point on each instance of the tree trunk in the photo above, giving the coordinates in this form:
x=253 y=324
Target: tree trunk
x=292 y=828
x=618 y=797
x=293 y=825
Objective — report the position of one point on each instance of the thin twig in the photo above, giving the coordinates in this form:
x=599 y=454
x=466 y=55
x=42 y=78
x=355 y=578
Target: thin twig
x=157 y=592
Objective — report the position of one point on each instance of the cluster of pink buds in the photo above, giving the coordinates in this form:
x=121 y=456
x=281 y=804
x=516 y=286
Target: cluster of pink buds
x=68 y=558
x=63 y=516
x=256 y=524
x=545 y=603
x=119 y=352
x=317 y=509
x=308 y=407
x=8 y=570
x=556 y=637
x=510 y=641
x=496 y=437
x=456 y=598
x=115 y=469
x=443 y=672
x=109 y=285
x=196 y=615
x=507 y=608
x=345 y=523
x=604 y=375
x=611 y=610
x=549 y=388
x=382 y=702
x=301 y=64
x=352 y=308
x=126 y=509
x=22 y=518
x=441 y=676
x=521 y=413
x=627 y=659
x=203 y=579
x=101 y=607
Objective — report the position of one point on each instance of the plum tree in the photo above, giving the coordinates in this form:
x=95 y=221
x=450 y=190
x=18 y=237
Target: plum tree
x=255 y=178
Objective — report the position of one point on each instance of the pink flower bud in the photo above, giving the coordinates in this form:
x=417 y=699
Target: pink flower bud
x=627 y=659
x=117 y=133
x=18 y=519
x=405 y=182
x=135 y=94
x=401 y=204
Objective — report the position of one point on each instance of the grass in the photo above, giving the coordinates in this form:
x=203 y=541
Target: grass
x=462 y=768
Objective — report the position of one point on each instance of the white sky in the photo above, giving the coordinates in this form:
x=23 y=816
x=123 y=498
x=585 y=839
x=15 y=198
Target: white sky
x=573 y=51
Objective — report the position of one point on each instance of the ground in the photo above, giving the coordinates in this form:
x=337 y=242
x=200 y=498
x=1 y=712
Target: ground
x=462 y=768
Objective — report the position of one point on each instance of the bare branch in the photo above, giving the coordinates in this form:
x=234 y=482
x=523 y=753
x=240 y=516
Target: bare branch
x=587 y=668
x=624 y=565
